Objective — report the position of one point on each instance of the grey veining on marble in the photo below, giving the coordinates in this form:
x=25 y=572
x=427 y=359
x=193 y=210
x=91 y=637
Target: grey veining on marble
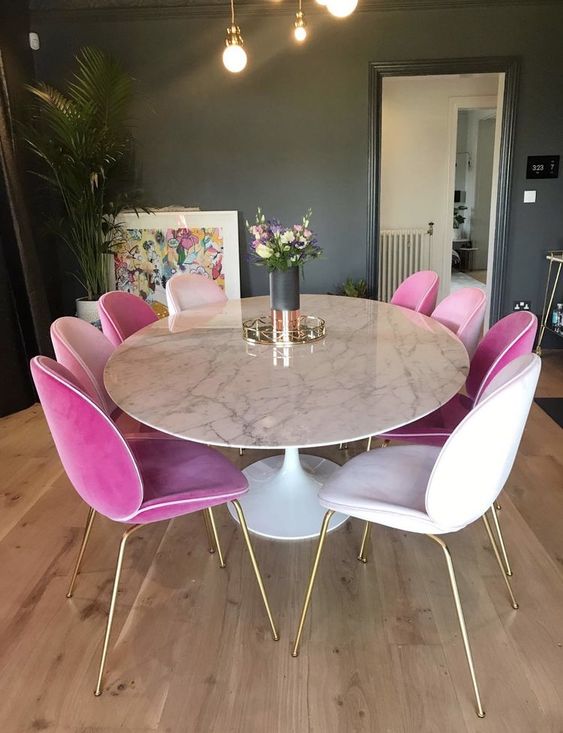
x=378 y=368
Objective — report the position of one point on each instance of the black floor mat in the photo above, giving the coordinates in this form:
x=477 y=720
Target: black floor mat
x=553 y=406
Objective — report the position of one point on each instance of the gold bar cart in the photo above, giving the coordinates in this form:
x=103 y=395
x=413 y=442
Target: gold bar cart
x=555 y=259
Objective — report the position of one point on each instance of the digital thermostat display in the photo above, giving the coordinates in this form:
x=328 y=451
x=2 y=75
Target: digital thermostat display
x=543 y=166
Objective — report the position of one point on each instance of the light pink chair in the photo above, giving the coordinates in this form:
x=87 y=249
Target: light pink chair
x=84 y=350
x=189 y=290
x=435 y=491
x=463 y=312
x=136 y=480
x=418 y=292
x=123 y=314
x=509 y=338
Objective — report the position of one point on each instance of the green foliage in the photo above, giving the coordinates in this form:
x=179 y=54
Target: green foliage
x=82 y=139
x=354 y=288
x=459 y=218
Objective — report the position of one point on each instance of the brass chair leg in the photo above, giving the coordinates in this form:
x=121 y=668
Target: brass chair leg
x=241 y=451
x=507 y=569
x=112 y=604
x=362 y=557
x=453 y=582
x=368 y=447
x=343 y=446
x=209 y=533
x=211 y=520
x=257 y=573
x=85 y=537
x=307 y=601
x=497 y=555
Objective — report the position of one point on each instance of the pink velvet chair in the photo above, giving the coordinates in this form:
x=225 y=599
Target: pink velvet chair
x=463 y=312
x=188 y=290
x=122 y=314
x=418 y=292
x=137 y=479
x=437 y=491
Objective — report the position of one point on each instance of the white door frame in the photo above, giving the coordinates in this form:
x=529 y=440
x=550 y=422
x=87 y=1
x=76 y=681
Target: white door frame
x=456 y=104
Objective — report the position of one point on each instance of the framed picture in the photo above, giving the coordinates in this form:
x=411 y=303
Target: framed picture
x=164 y=242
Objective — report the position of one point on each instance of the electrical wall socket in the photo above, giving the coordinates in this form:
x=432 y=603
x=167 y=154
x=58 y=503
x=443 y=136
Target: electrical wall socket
x=522 y=305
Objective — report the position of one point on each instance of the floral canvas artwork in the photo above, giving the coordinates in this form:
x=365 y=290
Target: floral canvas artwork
x=148 y=258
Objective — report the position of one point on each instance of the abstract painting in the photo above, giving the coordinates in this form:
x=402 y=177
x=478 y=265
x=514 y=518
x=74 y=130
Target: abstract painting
x=161 y=244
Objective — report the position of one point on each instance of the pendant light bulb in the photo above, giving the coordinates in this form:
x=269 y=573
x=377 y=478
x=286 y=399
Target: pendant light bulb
x=234 y=55
x=341 y=8
x=299 y=32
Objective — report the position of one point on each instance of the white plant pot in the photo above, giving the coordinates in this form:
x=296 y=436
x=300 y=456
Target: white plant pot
x=87 y=310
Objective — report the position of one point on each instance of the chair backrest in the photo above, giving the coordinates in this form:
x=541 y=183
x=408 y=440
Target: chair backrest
x=122 y=314
x=475 y=462
x=509 y=338
x=418 y=292
x=84 y=351
x=95 y=456
x=189 y=290
x=463 y=312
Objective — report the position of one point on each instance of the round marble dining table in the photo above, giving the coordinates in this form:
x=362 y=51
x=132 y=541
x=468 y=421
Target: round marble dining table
x=193 y=376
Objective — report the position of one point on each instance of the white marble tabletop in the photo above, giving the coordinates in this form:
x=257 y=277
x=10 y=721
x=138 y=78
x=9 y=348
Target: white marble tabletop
x=379 y=367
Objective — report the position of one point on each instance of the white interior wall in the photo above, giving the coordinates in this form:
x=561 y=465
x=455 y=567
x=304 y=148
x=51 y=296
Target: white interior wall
x=415 y=153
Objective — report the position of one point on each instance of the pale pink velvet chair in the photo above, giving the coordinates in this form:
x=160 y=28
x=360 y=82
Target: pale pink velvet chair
x=136 y=480
x=123 y=314
x=509 y=338
x=435 y=491
x=189 y=290
x=463 y=312
x=418 y=292
x=84 y=351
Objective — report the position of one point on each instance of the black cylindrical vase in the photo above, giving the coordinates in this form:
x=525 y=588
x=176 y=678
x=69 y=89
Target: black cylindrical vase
x=284 y=302
x=284 y=289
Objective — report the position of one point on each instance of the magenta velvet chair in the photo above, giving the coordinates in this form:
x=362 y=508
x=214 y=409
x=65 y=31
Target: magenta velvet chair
x=122 y=314
x=418 y=292
x=188 y=290
x=463 y=312
x=511 y=337
x=135 y=480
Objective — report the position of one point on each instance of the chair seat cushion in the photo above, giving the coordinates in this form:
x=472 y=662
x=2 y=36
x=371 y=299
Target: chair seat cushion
x=385 y=486
x=180 y=477
x=435 y=428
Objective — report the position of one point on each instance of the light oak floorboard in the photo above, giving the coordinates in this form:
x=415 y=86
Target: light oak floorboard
x=191 y=649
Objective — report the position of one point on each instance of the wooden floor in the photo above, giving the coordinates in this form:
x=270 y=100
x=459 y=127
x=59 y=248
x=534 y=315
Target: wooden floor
x=192 y=651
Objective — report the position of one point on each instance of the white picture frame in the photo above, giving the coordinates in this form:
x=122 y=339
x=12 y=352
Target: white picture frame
x=143 y=264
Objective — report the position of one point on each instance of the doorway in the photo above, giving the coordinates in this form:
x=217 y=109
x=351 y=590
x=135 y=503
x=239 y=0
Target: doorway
x=411 y=184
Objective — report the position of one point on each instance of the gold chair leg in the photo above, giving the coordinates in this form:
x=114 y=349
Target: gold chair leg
x=368 y=448
x=112 y=604
x=362 y=557
x=209 y=533
x=507 y=569
x=241 y=451
x=453 y=582
x=257 y=573
x=343 y=446
x=307 y=601
x=211 y=520
x=85 y=537
x=499 y=560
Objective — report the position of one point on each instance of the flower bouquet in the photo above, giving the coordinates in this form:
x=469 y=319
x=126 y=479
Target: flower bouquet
x=283 y=250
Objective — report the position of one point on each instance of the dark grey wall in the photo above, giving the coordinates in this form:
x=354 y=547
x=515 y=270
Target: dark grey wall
x=291 y=131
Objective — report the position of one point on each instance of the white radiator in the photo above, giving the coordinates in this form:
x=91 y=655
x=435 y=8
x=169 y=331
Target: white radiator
x=401 y=252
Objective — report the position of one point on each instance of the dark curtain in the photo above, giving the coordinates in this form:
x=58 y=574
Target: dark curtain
x=32 y=282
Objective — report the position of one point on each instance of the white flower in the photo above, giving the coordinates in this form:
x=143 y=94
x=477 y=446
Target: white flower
x=263 y=251
x=287 y=237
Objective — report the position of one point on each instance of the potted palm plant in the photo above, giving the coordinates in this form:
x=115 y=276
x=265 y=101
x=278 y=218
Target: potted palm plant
x=82 y=138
